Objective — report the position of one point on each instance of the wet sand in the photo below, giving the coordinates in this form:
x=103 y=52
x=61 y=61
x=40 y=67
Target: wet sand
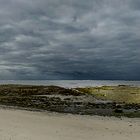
x=26 y=125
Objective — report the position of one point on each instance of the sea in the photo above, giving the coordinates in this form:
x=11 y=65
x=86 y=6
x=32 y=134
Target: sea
x=72 y=83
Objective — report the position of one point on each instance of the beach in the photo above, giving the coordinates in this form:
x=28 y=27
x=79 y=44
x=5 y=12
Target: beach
x=28 y=125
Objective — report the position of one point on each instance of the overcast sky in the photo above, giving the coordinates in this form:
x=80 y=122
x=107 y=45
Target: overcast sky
x=70 y=39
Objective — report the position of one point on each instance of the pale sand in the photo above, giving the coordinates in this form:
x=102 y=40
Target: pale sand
x=25 y=125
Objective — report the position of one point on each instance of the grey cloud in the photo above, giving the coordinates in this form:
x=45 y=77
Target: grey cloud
x=59 y=39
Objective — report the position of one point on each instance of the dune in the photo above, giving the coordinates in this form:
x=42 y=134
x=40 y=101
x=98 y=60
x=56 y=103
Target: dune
x=28 y=125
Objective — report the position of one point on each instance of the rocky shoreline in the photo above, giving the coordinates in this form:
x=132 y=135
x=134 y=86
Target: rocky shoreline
x=62 y=100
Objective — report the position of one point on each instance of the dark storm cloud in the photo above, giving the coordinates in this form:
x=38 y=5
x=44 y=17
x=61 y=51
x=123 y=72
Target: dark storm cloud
x=69 y=39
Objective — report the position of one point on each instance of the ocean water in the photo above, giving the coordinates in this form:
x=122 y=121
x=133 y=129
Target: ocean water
x=71 y=83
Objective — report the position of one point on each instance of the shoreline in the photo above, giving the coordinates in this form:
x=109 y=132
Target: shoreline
x=18 y=108
x=102 y=101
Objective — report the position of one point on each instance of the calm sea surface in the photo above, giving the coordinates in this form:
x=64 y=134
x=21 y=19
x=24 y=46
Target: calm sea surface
x=71 y=83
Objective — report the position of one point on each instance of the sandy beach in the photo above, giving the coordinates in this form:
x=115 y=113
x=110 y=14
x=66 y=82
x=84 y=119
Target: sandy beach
x=26 y=125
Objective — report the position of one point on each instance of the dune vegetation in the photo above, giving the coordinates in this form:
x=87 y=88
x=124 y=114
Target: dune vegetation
x=121 y=93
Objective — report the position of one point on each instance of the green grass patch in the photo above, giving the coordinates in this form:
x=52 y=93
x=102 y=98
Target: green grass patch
x=125 y=94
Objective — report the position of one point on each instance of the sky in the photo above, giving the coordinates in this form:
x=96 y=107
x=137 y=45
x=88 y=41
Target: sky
x=70 y=39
